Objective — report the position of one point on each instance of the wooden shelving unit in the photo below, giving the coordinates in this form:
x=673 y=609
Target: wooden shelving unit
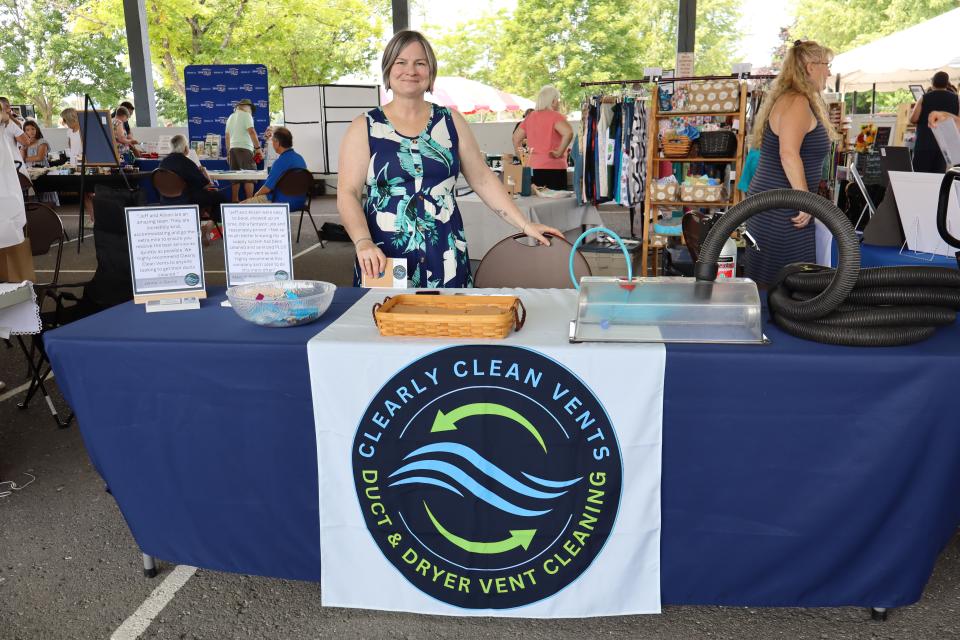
x=654 y=157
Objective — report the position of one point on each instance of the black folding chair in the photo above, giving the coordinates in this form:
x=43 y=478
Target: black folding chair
x=44 y=230
x=296 y=183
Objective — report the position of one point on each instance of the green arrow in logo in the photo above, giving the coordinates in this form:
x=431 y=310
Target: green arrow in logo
x=448 y=421
x=518 y=538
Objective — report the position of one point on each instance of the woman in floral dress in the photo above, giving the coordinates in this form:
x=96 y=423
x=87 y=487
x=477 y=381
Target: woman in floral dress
x=405 y=157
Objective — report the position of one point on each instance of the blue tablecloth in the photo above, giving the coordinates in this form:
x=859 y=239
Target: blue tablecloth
x=212 y=164
x=796 y=474
x=872 y=255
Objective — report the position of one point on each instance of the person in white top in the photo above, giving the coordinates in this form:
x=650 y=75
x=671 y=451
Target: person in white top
x=11 y=133
x=71 y=120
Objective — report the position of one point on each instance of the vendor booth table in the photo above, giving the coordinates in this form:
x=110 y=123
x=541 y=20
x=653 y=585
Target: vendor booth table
x=794 y=474
x=218 y=169
x=484 y=229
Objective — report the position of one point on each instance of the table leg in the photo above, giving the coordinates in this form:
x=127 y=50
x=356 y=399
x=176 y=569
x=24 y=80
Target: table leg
x=879 y=614
x=149 y=566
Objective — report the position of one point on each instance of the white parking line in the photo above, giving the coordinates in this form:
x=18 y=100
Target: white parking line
x=18 y=390
x=138 y=622
x=305 y=251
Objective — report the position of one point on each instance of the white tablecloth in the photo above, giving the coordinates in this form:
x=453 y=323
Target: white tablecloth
x=19 y=313
x=238 y=176
x=483 y=228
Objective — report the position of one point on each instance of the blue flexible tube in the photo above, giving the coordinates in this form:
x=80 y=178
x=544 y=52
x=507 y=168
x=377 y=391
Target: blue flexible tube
x=623 y=247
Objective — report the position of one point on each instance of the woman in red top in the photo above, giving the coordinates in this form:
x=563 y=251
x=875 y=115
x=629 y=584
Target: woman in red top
x=547 y=134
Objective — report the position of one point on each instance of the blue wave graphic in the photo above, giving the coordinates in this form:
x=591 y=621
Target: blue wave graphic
x=426 y=480
x=553 y=484
x=493 y=471
x=490 y=470
x=470 y=485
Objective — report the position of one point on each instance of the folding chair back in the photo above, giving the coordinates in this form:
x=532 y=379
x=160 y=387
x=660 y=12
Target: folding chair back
x=169 y=185
x=45 y=229
x=298 y=183
x=25 y=184
x=514 y=262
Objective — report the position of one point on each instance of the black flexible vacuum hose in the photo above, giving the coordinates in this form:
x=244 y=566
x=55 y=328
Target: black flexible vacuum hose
x=885 y=306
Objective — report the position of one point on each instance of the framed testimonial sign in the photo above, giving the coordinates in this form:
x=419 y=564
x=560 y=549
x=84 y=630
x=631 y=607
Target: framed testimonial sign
x=256 y=243
x=166 y=258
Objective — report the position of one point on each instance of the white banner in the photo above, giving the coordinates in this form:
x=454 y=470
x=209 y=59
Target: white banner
x=518 y=477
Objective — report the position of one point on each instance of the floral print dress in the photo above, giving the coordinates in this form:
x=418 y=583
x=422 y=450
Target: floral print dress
x=411 y=207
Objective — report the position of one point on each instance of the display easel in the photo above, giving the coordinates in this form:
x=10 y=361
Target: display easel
x=88 y=106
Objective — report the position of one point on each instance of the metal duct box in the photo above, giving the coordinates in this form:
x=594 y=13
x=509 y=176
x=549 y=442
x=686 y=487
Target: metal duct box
x=668 y=310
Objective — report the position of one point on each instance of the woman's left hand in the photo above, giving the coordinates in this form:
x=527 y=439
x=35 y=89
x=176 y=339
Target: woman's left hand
x=539 y=232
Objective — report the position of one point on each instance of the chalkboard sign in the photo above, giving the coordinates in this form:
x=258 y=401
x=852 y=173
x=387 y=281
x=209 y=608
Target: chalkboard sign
x=98 y=149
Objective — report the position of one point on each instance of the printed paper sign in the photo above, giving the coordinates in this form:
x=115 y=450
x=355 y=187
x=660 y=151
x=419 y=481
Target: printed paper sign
x=165 y=251
x=256 y=243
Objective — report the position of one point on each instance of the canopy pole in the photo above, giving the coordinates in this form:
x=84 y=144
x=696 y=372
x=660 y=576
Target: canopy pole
x=141 y=72
x=686 y=25
x=401 y=15
x=873 y=100
x=853 y=104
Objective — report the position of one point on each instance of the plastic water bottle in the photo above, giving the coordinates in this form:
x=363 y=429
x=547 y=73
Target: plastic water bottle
x=727 y=264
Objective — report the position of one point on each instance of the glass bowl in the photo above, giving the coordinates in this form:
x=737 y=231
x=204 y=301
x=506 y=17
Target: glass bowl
x=281 y=303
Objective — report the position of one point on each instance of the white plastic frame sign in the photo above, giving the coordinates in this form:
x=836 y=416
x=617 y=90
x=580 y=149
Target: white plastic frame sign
x=256 y=242
x=166 y=257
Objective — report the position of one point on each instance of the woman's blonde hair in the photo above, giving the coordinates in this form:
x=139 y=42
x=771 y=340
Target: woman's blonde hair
x=398 y=43
x=793 y=79
x=70 y=116
x=546 y=97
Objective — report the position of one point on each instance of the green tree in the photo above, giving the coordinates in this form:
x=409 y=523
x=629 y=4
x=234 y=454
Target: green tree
x=846 y=24
x=565 y=42
x=300 y=41
x=43 y=60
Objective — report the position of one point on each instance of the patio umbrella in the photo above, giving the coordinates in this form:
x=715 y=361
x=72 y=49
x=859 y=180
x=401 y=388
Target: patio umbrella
x=469 y=96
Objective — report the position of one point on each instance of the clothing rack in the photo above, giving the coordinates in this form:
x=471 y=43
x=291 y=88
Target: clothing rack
x=657 y=79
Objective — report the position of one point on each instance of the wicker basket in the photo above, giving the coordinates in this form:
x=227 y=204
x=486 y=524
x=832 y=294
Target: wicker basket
x=449 y=316
x=717 y=144
x=676 y=146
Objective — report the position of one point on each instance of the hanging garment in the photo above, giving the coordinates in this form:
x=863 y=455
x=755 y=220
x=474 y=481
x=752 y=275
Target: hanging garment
x=637 y=180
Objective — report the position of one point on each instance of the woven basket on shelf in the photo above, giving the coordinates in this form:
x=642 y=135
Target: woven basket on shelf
x=676 y=146
x=448 y=316
x=717 y=144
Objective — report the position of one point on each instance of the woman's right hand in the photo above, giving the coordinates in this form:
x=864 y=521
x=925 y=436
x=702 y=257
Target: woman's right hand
x=801 y=220
x=372 y=260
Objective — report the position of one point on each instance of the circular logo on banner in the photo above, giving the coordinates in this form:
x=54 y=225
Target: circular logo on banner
x=489 y=476
x=191 y=279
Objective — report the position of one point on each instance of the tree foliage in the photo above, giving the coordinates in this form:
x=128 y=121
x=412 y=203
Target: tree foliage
x=565 y=42
x=846 y=24
x=300 y=41
x=43 y=60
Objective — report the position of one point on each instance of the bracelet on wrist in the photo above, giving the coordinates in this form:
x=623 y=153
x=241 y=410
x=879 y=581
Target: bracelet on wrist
x=357 y=242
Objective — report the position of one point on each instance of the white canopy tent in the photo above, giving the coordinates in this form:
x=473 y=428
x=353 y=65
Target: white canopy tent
x=907 y=57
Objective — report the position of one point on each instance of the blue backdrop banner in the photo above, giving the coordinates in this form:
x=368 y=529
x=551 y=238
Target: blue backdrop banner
x=213 y=91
